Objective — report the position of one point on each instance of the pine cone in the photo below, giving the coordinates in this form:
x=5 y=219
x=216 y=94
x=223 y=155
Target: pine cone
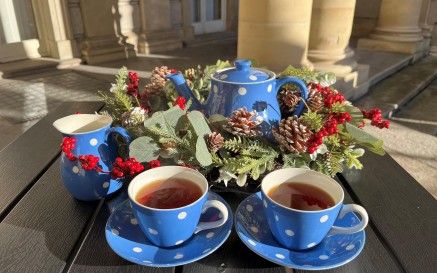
x=292 y=134
x=215 y=142
x=241 y=123
x=288 y=99
x=157 y=81
x=315 y=100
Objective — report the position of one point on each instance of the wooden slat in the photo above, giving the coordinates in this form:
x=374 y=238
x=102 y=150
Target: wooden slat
x=233 y=256
x=403 y=212
x=43 y=228
x=95 y=254
x=22 y=161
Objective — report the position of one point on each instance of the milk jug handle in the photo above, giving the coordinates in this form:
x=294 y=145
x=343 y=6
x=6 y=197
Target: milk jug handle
x=122 y=132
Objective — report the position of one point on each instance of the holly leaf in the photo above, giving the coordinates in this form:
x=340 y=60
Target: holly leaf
x=144 y=149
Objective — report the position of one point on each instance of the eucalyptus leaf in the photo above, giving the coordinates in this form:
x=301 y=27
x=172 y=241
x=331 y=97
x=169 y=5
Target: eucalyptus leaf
x=202 y=153
x=165 y=119
x=365 y=139
x=217 y=121
x=200 y=126
x=144 y=149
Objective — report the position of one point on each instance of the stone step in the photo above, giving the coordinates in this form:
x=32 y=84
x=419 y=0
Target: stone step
x=212 y=38
x=26 y=67
x=420 y=113
x=396 y=90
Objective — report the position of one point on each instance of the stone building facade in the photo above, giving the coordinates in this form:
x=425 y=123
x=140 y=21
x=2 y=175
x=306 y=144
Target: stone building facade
x=313 y=33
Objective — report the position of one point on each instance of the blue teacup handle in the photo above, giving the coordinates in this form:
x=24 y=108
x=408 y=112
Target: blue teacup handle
x=349 y=230
x=209 y=225
x=302 y=88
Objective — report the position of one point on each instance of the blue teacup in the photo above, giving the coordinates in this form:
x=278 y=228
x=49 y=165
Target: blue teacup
x=169 y=227
x=299 y=229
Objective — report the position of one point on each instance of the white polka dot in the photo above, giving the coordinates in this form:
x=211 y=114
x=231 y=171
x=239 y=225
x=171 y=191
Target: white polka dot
x=179 y=256
x=137 y=249
x=269 y=88
x=224 y=76
x=350 y=247
x=311 y=245
x=182 y=215
x=324 y=218
x=209 y=235
x=265 y=203
x=277 y=218
x=93 y=142
x=152 y=231
x=323 y=257
x=134 y=221
x=242 y=91
x=254 y=229
x=251 y=242
x=75 y=169
x=215 y=88
x=289 y=232
x=105 y=185
x=249 y=208
x=253 y=77
x=179 y=242
x=280 y=256
x=115 y=232
x=206 y=250
x=220 y=215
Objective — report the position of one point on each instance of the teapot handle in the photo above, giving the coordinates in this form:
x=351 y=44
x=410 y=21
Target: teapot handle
x=302 y=88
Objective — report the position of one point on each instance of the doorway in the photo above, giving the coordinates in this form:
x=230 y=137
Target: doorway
x=18 y=33
x=208 y=16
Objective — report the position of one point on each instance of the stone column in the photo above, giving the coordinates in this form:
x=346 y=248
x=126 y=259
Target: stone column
x=425 y=20
x=103 y=39
x=274 y=32
x=187 y=28
x=331 y=27
x=433 y=50
x=157 y=34
x=54 y=29
x=398 y=29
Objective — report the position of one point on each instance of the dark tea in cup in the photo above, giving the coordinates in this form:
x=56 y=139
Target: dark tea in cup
x=301 y=196
x=169 y=193
x=168 y=202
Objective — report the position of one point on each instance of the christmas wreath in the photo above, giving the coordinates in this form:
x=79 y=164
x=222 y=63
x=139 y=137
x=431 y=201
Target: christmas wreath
x=326 y=137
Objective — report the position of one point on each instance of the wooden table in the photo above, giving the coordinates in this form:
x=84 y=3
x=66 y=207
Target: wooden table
x=43 y=229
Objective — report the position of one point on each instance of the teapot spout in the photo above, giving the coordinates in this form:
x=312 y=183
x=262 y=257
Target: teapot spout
x=184 y=90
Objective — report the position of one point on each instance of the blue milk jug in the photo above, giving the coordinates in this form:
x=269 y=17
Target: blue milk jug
x=93 y=136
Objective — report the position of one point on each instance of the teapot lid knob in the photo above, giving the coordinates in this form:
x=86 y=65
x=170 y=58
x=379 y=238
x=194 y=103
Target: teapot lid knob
x=242 y=64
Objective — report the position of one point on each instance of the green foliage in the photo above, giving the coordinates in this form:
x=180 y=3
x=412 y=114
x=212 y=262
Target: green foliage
x=144 y=149
x=246 y=156
x=117 y=101
x=176 y=136
x=365 y=139
x=314 y=120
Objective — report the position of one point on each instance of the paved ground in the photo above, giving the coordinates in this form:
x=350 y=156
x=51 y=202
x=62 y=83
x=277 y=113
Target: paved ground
x=409 y=97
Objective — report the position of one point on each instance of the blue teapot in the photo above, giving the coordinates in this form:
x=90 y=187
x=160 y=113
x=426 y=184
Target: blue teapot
x=243 y=86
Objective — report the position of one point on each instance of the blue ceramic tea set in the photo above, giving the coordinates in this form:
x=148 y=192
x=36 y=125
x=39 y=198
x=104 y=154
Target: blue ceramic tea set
x=129 y=230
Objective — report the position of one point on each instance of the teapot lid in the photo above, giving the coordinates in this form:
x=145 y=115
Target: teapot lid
x=243 y=73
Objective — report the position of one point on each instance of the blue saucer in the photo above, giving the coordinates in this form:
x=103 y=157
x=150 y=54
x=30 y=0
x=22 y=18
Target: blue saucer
x=125 y=237
x=335 y=250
